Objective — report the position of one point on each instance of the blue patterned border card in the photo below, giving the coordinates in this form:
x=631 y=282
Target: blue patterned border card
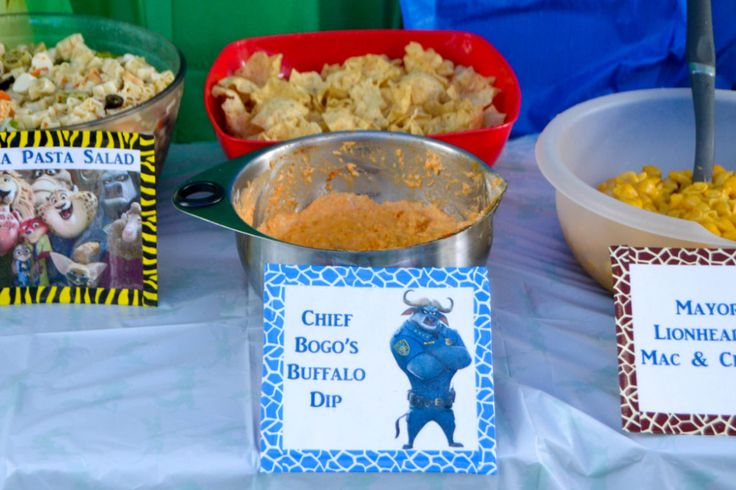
x=377 y=370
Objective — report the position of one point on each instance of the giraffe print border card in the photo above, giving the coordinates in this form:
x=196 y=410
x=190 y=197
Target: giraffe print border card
x=77 y=218
x=676 y=332
x=377 y=370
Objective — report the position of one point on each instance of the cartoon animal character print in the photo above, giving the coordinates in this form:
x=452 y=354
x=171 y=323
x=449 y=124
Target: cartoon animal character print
x=36 y=234
x=86 y=252
x=23 y=266
x=76 y=274
x=429 y=352
x=49 y=180
x=16 y=194
x=9 y=224
x=125 y=247
x=124 y=234
x=118 y=191
x=68 y=214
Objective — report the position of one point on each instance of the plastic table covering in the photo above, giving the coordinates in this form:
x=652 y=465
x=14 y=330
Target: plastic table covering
x=126 y=398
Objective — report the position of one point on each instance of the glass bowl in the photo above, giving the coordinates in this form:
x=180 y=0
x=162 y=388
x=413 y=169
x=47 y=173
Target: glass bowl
x=157 y=115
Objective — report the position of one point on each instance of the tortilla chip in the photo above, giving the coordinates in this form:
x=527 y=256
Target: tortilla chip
x=420 y=94
x=260 y=68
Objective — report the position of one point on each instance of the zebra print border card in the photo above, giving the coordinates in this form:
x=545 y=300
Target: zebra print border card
x=77 y=218
x=377 y=370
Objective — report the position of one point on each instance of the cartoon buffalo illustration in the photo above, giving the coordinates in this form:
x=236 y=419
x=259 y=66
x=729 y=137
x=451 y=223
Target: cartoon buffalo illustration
x=429 y=352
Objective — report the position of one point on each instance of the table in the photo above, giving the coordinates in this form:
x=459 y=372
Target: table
x=118 y=397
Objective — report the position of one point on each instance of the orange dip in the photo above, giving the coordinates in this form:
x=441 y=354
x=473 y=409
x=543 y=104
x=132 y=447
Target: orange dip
x=347 y=221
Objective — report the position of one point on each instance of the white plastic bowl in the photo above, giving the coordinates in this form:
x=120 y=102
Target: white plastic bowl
x=603 y=137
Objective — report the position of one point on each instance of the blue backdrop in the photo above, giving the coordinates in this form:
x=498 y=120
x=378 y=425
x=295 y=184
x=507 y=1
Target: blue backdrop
x=567 y=51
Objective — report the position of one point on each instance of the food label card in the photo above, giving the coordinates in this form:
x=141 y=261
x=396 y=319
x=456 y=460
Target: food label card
x=377 y=370
x=676 y=331
x=77 y=218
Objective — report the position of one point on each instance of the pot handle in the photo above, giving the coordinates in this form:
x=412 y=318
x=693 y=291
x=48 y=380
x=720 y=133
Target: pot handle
x=199 y=194
x=207 y=195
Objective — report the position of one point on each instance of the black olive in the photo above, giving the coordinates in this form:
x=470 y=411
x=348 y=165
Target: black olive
x=5 y=84
x=113 y=101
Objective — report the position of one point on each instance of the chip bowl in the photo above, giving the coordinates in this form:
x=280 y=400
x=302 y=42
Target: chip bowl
x=606 y=136
x=274 y=177
x=311 y=51
x=155 y=116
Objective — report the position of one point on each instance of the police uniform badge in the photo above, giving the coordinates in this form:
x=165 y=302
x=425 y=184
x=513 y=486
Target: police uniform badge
x=402 y=347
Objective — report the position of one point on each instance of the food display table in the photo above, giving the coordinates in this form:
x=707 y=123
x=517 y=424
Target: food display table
x=119 y=398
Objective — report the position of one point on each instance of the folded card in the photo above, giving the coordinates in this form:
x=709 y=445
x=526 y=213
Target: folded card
x=676 y=331
x=77 y=218
x=377 y=370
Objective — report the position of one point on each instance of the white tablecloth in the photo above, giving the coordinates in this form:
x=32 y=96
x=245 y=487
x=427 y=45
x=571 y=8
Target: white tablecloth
x=96 y=397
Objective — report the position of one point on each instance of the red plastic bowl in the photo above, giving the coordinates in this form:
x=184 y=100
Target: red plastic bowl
x=310 y=51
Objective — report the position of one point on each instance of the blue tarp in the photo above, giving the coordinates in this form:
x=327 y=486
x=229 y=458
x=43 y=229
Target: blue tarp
x=567 y=51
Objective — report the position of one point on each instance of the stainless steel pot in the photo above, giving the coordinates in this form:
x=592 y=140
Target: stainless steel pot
x=242 y=193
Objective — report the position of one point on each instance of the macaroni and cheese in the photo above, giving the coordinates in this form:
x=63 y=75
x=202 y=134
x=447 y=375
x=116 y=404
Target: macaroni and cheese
x=713 y=205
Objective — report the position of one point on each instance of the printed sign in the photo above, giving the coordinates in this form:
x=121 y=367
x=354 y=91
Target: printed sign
x=77 y=218
x=676 y=329
x=371 y=370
